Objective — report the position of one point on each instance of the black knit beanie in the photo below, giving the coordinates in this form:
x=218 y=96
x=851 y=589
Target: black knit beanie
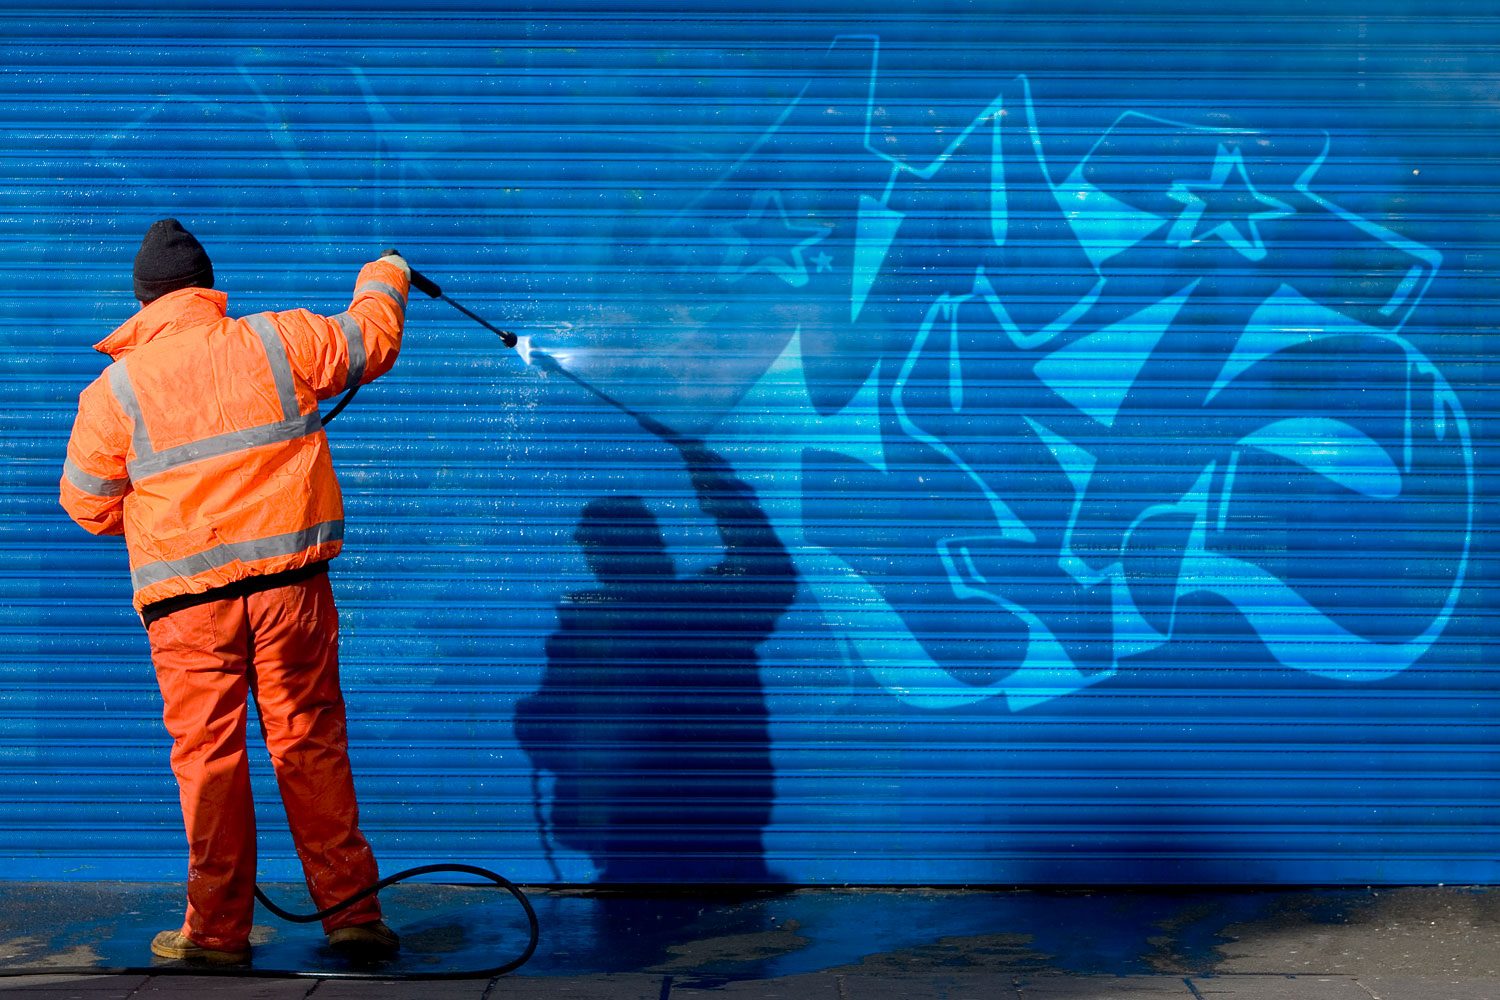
x=170 y=258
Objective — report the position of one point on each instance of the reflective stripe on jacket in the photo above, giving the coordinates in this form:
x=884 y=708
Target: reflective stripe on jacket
x=202 y=442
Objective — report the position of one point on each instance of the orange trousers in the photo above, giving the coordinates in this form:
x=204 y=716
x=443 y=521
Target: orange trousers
x=281 y=646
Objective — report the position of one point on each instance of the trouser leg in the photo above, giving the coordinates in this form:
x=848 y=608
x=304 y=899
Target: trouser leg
x=296 y=681
x=200 y=655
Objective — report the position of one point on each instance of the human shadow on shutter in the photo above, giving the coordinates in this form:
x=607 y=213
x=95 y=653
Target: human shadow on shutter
x=651 y=714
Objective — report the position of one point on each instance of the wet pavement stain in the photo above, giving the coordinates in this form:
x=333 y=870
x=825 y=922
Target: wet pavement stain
x=731 y=950
x=1000 y=954
x=444 y=939
x=704 y=938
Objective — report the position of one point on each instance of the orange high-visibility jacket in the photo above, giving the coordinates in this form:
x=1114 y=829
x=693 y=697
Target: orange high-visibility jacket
x=202 y=443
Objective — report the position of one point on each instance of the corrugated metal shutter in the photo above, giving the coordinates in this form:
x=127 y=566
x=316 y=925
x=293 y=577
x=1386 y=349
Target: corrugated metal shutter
x=1115 y=375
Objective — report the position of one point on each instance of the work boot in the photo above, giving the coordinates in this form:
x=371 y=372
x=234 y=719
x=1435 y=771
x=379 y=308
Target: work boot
x=175 y=944
x=372 y=942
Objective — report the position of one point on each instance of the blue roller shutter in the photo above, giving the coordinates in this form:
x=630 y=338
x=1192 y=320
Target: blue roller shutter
x=1090 y=407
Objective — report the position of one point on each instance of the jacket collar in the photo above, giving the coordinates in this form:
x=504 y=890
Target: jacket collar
x=173 y=312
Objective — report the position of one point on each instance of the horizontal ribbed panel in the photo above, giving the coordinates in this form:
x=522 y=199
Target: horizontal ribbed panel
x=1100 y=400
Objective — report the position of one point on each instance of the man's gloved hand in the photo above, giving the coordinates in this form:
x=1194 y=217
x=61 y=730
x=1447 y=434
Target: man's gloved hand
x=392 y=257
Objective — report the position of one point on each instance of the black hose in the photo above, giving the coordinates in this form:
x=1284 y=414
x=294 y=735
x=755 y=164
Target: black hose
x=344 y=401
x=248 y=972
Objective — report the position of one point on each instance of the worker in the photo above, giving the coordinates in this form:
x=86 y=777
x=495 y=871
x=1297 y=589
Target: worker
x=202 y=445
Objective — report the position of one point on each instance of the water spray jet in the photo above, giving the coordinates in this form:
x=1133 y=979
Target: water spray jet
x=531 y=356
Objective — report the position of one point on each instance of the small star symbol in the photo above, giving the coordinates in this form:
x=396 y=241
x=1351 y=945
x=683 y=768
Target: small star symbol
x=766 y=240
x=1230 y=209
x=824 y=262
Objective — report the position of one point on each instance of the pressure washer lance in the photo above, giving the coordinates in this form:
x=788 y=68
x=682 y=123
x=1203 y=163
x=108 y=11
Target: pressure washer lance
x=425 y=284
x=529 y=354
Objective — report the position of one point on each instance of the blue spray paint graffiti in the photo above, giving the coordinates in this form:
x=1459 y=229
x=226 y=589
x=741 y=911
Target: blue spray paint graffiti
x=1160 y=296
